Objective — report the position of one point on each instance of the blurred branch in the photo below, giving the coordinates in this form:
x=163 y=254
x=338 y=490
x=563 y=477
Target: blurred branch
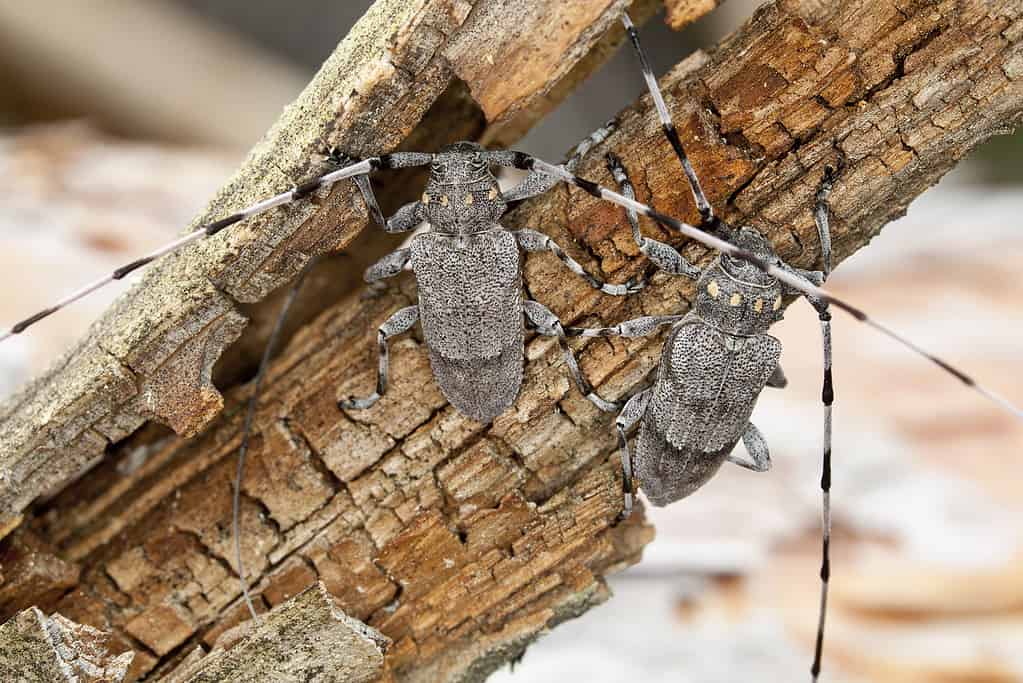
x=681 y=13
x=142 y=69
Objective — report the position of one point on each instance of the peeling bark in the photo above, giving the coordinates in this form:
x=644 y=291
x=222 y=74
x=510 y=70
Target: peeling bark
x=461 y=542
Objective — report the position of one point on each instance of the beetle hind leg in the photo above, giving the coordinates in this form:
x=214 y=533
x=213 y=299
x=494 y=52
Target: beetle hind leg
x=756 y=444
x=633 y=411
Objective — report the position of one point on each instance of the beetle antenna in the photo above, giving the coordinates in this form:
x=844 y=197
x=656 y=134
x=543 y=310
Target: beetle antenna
x=787 y=277
x=250 y=413
x=386 y=161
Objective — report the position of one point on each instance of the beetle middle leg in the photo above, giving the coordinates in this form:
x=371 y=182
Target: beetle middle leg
x=402 y=321
x=548 y=324
x=533 y=241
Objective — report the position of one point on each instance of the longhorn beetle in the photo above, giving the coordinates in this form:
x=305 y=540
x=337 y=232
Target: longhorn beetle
x=468 y=271
x=461 y=174
x=718 y=358
x=714 y=363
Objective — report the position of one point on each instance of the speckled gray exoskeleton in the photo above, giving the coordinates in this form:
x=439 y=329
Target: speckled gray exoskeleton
x=469 y=276
x=714 y=364
x=718 y=358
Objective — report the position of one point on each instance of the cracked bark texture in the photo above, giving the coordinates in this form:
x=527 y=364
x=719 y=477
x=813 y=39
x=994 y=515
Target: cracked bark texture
x=419 y=74
x=461 y=542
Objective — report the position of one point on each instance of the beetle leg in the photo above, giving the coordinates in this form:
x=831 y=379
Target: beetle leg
x=756 y=444
x=406 y=218
x=400 y=322
x=778 y=380
x=389 y=266
x=533 y=241
x=664 y=256
x=630 y=415
x=547 y=324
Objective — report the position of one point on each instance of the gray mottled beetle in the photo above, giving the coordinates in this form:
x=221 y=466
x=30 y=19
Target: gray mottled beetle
x=469 y=276
x=718 y=358
x=715 y=362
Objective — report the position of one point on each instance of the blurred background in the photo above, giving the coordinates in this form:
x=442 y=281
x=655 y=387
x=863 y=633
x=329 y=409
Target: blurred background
x=119 y=119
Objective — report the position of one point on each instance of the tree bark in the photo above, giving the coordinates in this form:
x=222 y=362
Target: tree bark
x=462 y=542
x=404 y=75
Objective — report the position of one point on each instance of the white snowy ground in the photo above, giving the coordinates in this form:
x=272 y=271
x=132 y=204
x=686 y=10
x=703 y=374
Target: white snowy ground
x=928 y=569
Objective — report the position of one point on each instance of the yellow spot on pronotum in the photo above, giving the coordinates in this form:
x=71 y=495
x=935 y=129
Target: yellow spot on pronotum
x=735 y=299
x=493 y=193
x=759 y=305
x=777 y=303
x=468 y=199
x=426 y=198
x=713 y=289
x=443 y=200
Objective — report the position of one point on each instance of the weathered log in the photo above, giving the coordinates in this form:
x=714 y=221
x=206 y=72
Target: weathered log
x=304 y=639
x=463 y=542
x=35 y=648
x=151 y=357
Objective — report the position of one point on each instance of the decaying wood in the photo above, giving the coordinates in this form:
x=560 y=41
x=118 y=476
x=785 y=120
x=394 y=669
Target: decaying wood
x=305 y=639
x=681 y=13
x=460 y=542
x=35 y=648
x=32 y=574
x=151 y=357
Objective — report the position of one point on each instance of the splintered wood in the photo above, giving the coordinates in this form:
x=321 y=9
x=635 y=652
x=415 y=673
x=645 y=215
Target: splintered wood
x=151 y=357
x=459 y=542
x=304 y=640
x=35 y=648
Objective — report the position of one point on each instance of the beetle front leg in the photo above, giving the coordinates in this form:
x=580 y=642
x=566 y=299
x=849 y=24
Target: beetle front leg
x=536 y=182
x=389 y=266
x=662 y=255
x=406 y=218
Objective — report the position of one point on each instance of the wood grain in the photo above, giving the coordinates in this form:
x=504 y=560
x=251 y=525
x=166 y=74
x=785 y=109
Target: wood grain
x=460 y=542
